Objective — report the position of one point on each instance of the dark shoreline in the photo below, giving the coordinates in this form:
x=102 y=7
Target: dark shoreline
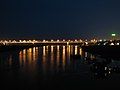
x=104 y=51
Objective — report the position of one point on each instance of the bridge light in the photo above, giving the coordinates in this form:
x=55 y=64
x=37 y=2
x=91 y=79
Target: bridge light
x=52 y=40
x=24 y=41
x=58 y=40
x=34 y=40
x=91 y=40
x=43 y=40
x=9 y=41
x=86 y=40
x=46 y=41
x=6 y=41
x=20 y=41
x=63 y=40
x=80 y=40
x=14 y=41
x=94 y=40
x=67 y=43
x=30 y=41
x=75 y=40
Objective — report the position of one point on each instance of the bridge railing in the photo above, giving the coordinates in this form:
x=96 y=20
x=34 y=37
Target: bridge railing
x=67 y=42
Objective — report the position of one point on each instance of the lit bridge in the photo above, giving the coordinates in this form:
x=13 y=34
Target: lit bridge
x=21 y=44
x=43 y=42
x=60 y=42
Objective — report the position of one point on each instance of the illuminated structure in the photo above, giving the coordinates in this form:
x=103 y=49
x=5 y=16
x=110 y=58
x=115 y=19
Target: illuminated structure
x=62 y=42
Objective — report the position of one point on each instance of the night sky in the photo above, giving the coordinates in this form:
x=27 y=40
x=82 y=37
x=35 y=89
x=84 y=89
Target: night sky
x=45 y=19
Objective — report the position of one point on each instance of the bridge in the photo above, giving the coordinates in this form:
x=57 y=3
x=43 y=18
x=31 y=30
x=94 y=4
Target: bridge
x=60 y=42
x=40 y=42
x=6 y=45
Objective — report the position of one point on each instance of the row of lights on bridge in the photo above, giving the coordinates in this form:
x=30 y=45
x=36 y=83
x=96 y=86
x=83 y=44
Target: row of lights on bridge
x=14 y=41
x=63 y=40
x=24 y=41
x=45 y=41
x=93 y=40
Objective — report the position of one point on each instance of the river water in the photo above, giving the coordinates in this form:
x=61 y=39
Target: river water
x=52 y=67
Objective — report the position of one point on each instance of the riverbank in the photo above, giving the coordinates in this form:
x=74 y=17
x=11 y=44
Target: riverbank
x=104 y=51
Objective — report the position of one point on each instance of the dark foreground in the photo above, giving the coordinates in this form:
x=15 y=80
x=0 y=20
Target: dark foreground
x=66 y=82
x=58 y=82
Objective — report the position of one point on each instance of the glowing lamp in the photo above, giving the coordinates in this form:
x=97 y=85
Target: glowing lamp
x=113 y=34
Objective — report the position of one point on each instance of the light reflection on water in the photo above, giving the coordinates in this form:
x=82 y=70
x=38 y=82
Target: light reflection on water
x=56 y=55
x=46 y=61
x=55 y=58
x=50 y=58
x=43 y=63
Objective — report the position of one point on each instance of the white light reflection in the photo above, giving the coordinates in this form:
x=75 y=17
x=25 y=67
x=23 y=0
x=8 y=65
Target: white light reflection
x=43 y=51
x=52 y=58
x=68 y=54
x=92 y=56
x=34 y=54
x=63 y=58
x=71 y=49
x=51 y=49
x=44 y=60
x=76 y=50
x=86 y=54
x=22 y=57
x=29 y=55
x=52 y=54
x=58 y=57
x=81 y=51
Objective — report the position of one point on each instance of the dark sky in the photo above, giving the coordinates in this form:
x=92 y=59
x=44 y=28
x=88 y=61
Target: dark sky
x=59 y=18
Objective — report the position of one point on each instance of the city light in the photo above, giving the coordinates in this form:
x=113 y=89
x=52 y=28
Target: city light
x=118 y=44
x=100 y=40
x=113 y=34
x=67 y=42
x=112 y=44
